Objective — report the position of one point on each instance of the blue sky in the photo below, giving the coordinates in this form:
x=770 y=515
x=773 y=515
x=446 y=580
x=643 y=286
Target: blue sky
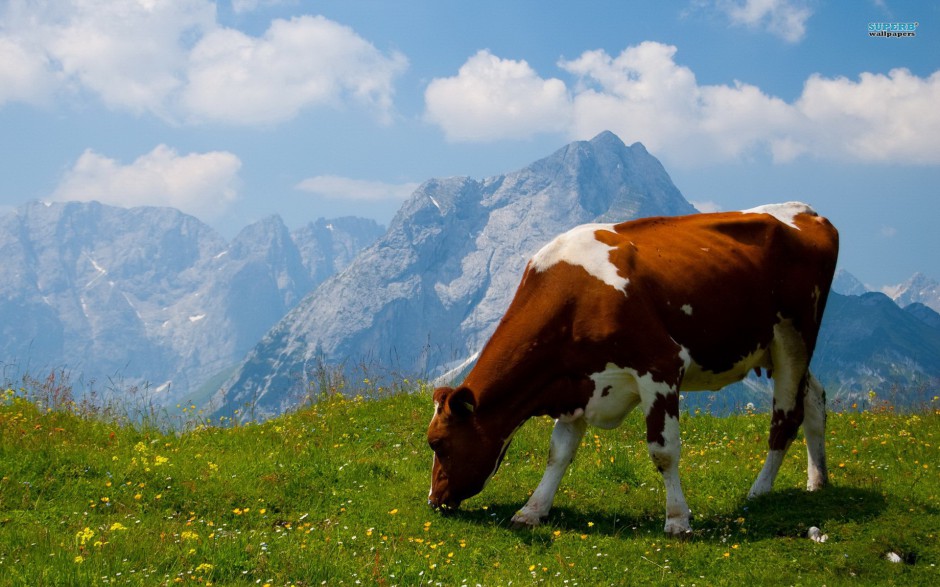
x=238 y=109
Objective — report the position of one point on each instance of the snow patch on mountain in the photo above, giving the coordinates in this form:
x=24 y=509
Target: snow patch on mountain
x=918 y=289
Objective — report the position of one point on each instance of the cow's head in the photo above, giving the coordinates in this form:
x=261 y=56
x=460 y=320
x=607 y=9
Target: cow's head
x=465 y=454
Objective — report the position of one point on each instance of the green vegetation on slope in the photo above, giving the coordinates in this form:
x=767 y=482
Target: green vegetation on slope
x=335 y=494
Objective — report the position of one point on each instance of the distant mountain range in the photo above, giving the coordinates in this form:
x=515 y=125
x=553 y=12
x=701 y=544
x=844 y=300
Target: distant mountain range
x=151 y=296
x=919 y=289
x=428 y=294
x=424 y=298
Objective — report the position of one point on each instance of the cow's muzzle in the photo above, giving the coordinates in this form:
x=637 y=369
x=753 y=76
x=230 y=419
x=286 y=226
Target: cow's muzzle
x=443 y=507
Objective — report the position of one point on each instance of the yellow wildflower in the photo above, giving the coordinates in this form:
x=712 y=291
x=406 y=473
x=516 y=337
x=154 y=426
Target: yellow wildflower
x=85 y=535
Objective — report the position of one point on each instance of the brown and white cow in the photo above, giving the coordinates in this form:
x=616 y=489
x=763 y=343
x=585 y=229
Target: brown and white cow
x=613 y=316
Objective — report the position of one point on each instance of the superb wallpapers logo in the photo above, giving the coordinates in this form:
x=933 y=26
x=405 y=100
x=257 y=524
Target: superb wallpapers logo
x=893 y=29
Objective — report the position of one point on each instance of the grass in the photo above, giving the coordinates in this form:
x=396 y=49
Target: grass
x=335 y=494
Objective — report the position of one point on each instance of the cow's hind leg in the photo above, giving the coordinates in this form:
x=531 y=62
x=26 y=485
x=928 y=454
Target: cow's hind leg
x=814 y=429
x=661 y=406
x=566 y=437
x=791 y=380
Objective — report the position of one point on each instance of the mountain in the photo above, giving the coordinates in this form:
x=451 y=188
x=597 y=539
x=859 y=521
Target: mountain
x=847 y=284
x=154 y=299
x=424 y=298
x=428 y=294
x=919 y=295
x=328 y=246
x=151 y=296
x=918 y=288
x=925 y=314
x=869 y=343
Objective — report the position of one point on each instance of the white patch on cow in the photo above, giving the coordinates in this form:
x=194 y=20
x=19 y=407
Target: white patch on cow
x=684 y=354
x=665 y=455
x=783 y=212
x=433 y=464
x=575 y=415
x=697 y=378
x=616 y=393
x=687 y=308
x=788 y=356
x=579 y=247
x=566 y=437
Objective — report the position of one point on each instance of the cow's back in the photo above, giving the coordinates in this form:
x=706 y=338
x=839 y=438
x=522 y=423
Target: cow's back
x=715 y=284
x=719 y=282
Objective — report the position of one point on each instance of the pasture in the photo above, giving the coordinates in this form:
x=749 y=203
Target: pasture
x=335 y=494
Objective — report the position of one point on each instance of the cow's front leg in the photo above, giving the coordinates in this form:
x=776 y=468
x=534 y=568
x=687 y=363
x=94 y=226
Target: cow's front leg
x=814 y=428
x=791 y=383
x=566 y=437
x=662 y=437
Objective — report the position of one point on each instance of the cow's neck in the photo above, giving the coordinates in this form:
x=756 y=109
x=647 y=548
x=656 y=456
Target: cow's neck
x=520 y=372
x=510 y=394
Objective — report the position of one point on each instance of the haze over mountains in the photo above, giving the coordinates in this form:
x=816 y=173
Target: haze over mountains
x=150 y=295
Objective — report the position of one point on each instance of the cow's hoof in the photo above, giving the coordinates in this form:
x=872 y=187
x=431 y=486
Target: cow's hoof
x=757 y=491
x=816 y=483
x=524 y=519
x=678 y=528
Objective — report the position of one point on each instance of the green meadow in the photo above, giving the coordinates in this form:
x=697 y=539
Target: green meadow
x=335 y=494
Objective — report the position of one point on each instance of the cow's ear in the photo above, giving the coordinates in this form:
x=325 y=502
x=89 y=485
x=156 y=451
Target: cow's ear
x=461 y=402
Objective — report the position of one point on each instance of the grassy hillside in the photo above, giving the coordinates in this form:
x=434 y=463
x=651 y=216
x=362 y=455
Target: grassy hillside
x=336 y=495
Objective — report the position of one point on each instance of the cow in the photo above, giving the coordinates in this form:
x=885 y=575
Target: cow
x=609 y=317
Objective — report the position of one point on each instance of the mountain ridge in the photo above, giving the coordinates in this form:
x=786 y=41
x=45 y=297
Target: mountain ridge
x=142 y=296
x=430 y=292
x=154 y=298
x=427 y=295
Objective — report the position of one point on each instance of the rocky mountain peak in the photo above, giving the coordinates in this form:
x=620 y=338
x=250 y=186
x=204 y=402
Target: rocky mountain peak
x=430 y=291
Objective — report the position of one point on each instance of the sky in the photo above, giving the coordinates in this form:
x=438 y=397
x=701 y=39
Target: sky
x=239 y=109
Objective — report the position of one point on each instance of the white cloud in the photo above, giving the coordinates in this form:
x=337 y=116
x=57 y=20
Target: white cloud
x=783 y=18
x=307 y=61
x=643 y=95
x=878 y=118
x=173 y=59
x=344 y=188
x=244 y=6
x=24 y=75
x=128 y=54
x=202 y=184
x=492 y=98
